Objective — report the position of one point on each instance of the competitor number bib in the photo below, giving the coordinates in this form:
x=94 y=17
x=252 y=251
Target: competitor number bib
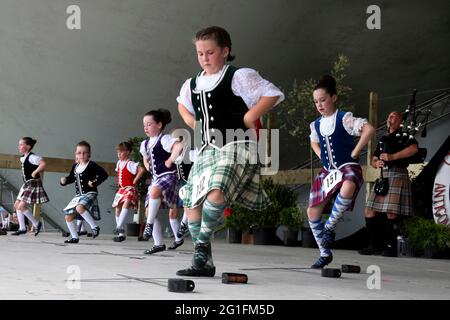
x=200 y=186
x=331 y=180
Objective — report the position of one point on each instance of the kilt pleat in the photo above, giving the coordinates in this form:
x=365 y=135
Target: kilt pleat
x=32 y=192
x=89 y=201
x=398 y=200
x=124 y=194
x=168 y=184
x=234 y=171
x=351 y=172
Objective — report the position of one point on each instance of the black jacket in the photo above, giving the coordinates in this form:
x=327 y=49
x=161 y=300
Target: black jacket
x=93 y=172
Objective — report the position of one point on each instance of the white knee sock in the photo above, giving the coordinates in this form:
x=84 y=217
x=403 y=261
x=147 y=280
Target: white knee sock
x=185 y=219
x=118 y=226
x=72 y=229
x=175 y=226
x=157 y=233
x=153 y=207
x=27 y=213
x=122 y=217
x=21 y=218
x=87 y=216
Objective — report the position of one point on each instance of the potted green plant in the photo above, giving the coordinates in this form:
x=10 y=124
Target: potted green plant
x=264 y=223
x=426 y=236
x=236 y=222
x=292 y=218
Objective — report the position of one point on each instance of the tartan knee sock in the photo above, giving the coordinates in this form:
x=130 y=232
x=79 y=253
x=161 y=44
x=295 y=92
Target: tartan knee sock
x=212 y=216
x=317 y=228
x=194 y=229
x=340 y=206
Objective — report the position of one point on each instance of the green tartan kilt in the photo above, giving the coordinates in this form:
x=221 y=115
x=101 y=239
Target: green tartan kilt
x=234 y=170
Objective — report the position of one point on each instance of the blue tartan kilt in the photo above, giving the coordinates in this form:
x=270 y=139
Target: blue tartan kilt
x=89 y=201
x=168 y=184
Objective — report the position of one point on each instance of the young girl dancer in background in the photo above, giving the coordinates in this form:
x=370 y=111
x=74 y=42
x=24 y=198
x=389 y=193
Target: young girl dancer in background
x=128 y=175
x=87 y=175
x=32 y=190
x=159 y=152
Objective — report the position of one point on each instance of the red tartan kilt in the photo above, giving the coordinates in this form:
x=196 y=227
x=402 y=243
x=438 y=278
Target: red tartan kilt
x=351 y=172
x=126 y=193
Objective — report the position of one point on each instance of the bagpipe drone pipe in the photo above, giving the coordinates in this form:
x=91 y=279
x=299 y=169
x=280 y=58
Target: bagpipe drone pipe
x=412 y=122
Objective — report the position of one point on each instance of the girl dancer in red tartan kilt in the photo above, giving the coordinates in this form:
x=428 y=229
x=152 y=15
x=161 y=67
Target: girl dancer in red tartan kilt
x=128 y=175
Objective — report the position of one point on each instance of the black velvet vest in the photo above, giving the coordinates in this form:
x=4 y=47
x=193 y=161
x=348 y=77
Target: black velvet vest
x=28 y=168
x=217 y=110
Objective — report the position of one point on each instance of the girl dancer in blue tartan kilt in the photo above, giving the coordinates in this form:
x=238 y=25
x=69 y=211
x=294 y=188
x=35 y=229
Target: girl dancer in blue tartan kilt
x=219 y=99
x=87 y=176
x=159 y=152
x=32 y=190
x=341 y=176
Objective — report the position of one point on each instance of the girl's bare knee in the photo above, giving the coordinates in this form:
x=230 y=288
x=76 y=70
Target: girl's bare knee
x=216 y=196
x=80 y=209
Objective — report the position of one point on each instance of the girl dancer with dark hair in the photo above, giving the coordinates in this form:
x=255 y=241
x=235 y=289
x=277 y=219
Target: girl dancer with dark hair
x=341 y=176
x=32 y=190
x=159 y=152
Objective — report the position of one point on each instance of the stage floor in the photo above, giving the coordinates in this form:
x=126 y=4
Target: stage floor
x=43 y=267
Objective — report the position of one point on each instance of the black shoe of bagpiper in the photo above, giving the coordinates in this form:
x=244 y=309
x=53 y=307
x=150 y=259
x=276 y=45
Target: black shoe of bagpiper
x=176 y=244
x=322 y=262
x=95 y=232
x=328 y=237
x=3 y=232
x=182 y=231
x=155 y=249
x=148 y=230
x=119 y=239
x=206 y=271
x=73 y=240
x=83 y=233
x=38 y=229
x=19 y=232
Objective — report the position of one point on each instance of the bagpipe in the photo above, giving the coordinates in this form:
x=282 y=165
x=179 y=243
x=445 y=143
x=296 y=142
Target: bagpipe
x=381 y=186
x=412 y=121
